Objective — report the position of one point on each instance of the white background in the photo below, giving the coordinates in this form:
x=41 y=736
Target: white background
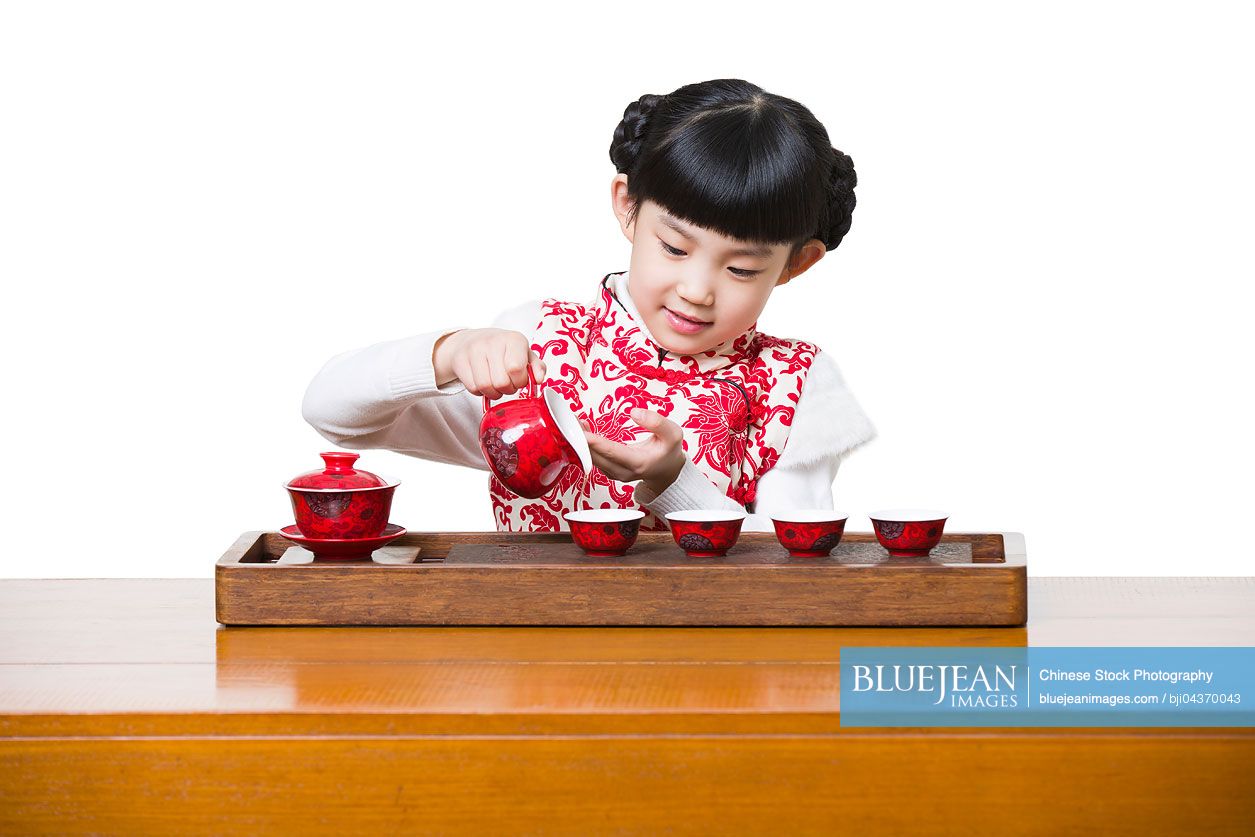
x=1044 y=303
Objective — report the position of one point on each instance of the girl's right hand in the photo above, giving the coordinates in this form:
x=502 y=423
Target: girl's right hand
x=490 y=362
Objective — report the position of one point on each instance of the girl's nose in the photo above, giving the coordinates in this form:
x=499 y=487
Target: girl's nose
x=697 y=292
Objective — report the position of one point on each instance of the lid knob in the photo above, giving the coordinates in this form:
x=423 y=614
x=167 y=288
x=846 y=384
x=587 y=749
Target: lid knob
x=340 y=463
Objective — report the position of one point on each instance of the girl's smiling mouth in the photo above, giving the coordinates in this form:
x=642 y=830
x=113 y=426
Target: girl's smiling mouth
x=683 y=324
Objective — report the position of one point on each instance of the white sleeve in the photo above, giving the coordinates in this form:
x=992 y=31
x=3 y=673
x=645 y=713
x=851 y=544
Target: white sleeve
x=385 y=397
x=692 y=489
x=828 y=424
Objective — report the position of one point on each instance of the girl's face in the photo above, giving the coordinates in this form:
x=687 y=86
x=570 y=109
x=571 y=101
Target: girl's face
x=680 y=271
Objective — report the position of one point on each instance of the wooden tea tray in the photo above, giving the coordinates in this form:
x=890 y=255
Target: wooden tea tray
x=519 y=578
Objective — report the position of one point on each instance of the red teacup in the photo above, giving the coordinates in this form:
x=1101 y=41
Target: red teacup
x=528 y=442
x=810 y=533
x=340 y=502
x=706 y=533
x=605 y=533
x=908 y=533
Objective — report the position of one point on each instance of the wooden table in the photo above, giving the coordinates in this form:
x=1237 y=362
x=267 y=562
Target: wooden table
x=126 y=709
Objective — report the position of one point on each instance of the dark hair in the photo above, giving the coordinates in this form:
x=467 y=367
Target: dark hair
x=728 y=156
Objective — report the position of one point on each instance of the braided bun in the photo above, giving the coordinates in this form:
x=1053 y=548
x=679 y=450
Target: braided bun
x=835 y=221
x=630 y=134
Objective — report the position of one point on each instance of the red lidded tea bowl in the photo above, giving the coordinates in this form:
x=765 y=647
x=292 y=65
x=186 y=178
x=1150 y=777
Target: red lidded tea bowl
x=339 y=501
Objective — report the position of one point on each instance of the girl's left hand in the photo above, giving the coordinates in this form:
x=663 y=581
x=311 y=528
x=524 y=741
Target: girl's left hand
x=657 y=461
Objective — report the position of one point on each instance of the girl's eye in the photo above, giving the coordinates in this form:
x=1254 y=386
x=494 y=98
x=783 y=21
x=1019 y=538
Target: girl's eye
x=736 y=271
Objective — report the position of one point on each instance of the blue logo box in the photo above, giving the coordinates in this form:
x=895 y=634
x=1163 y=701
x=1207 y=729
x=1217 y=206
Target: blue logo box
x=1048 y=687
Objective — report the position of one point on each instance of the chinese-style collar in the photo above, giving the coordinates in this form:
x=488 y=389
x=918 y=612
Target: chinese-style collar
x=640 y=354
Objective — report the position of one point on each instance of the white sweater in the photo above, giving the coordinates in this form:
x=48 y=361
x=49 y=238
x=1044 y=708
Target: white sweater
x=385 y=396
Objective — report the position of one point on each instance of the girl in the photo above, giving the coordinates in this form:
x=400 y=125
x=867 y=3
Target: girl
x=725 y=192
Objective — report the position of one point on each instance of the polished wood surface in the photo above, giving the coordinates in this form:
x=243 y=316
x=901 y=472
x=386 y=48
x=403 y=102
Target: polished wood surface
x=124 y=708
x=528 y=578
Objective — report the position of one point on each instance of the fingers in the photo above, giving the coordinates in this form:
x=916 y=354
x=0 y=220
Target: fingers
x=661 y=426
x=513 y=367
x=499 y=366
x=510 y=371
x=627 y=463
x=603 y=447
x=611 y=468
x=493 y=362
x=647 y=419
x=623 y=462
x=481 y=376
x=599 y=444
x=538 y=366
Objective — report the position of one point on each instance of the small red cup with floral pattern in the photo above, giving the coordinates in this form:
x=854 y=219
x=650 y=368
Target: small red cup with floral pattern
x=604 y=533
x=908 y=533
x=706 y=533
x=810 y=533
x=529 y=441
x=341 y=501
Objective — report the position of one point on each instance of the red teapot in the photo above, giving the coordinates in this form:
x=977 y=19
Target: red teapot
x=529 y=441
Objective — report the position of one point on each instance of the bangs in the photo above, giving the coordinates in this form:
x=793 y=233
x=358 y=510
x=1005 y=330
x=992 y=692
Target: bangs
x=741 y=171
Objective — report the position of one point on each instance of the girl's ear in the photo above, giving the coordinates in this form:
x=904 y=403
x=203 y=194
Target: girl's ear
x=621 y=204
x=811 y=252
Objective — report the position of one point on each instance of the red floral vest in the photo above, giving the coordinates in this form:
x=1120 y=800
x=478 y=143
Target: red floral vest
x=735 y=403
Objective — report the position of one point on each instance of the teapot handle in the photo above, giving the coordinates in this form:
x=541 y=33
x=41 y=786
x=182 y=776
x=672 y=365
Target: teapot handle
x=531 y=388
